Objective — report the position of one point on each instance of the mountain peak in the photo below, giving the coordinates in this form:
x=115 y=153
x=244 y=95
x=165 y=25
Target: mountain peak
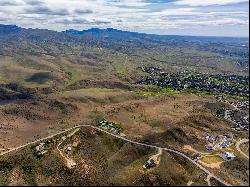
x=9 y=28
x=92 y=30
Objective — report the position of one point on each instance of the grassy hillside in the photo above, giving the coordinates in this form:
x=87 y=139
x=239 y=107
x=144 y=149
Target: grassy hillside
x=51 y=81
x=102 y=160
x=61 y=59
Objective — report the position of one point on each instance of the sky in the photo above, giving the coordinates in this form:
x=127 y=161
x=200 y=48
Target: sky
x=175 y=17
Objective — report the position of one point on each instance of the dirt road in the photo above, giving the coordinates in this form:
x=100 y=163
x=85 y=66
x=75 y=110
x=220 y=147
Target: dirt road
x=65 y=157
x=125 y=139
x=208 y=180
x=243 y=141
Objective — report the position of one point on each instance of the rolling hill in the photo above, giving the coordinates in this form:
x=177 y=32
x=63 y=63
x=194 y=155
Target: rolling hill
x=51 y=81
x=109 y=54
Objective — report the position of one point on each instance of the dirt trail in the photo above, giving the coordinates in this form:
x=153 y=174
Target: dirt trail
x=157 y=158
x=243 y=141
x=190 y=183
x=65 y=157
x=189 y=148
x=208 y=180
x=213 y=165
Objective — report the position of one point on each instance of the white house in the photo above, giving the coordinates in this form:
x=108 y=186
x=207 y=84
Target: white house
x=227 y=156
x=72 y=164
x=40 y=149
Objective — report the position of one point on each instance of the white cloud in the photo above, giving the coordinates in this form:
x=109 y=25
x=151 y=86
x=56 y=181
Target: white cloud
x=176 y=11
x=223 y=21
x=208 y=2
x=135 y=15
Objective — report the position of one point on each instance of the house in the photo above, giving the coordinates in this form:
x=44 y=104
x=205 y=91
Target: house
x=40 y=149
x=227 y=156
x=212 y=139
x=234 y=135
x=207 y=137
x=106 y=125
x=209 y=148
x=224 y=145
x=228 y=142
x=72 y=164
x=149 y=164
x=196 y=157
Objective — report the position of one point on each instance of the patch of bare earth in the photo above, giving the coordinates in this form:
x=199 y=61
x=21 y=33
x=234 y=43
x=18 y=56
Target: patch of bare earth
x=16 y=178
x=190 y=183
x=212 y=165
x=25 y=121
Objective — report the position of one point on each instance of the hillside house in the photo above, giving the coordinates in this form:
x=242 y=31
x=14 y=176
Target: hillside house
x=209 y=148
x=149 y=164
x=227 y=156
x=40 y=149
x=196 y=157
x=106 y=125
x=72 y=164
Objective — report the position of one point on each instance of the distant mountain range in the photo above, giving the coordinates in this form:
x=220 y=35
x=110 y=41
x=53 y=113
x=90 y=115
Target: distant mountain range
x=112 y=31
x=180 y=51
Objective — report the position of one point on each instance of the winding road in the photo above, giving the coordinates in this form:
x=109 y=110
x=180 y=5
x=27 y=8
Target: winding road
x=243 y=141
x=125 y=139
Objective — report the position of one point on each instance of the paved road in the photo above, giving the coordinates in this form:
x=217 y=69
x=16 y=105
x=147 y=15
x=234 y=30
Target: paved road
x=127 y=140
x=238 y=146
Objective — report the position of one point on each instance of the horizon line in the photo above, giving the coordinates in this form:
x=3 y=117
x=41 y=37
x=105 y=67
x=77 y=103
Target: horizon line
x=184 y=35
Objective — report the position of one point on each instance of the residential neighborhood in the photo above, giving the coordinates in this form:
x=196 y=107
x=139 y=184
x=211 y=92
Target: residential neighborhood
x=236 y=114
x=189 y=80
x=216 y=142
